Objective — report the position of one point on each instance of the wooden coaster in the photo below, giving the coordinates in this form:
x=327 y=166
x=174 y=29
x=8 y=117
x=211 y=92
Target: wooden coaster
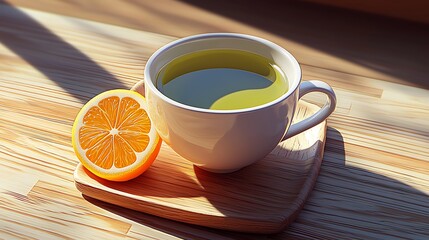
x=262 y=198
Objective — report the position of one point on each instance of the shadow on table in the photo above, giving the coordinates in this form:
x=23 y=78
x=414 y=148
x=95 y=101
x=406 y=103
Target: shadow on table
x=388 y=45
x=58 y=60
x=347 y=201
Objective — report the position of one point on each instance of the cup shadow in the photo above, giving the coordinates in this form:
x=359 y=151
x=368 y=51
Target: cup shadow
x=353 y=202
x=369 y=204
x=58 y=60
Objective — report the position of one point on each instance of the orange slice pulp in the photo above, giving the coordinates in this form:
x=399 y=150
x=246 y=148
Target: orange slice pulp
x=113 y=136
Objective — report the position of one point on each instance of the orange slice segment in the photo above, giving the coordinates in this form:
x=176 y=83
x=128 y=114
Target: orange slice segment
x=113 y=136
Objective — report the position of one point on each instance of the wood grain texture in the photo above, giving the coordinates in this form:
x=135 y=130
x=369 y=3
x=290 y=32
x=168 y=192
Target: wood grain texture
x=374 y=178
x=262 y=198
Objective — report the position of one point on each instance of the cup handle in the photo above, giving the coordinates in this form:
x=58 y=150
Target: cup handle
x=319 y=116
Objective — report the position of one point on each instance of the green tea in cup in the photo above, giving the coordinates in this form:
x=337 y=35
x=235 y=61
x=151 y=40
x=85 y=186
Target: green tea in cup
x=222 y=79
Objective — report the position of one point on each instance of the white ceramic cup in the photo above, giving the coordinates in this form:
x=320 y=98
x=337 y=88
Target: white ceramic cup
x=226 y=140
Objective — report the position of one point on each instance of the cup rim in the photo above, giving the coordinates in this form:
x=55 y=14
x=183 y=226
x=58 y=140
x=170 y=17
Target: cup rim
x=291 y=58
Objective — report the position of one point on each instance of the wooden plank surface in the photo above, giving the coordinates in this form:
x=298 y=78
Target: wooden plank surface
x=374 y=180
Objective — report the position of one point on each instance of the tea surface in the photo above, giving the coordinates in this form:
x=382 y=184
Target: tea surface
x=222 y=80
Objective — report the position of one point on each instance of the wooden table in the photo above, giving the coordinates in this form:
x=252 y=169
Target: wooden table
x=374 y=181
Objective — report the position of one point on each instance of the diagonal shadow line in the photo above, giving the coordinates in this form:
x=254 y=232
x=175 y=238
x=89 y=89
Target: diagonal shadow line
x=57 y=59
x=390 y=46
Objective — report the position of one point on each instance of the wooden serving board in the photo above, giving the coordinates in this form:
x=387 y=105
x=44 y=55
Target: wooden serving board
x=262 y=198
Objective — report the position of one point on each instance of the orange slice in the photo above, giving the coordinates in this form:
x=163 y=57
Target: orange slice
x=113 y=136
